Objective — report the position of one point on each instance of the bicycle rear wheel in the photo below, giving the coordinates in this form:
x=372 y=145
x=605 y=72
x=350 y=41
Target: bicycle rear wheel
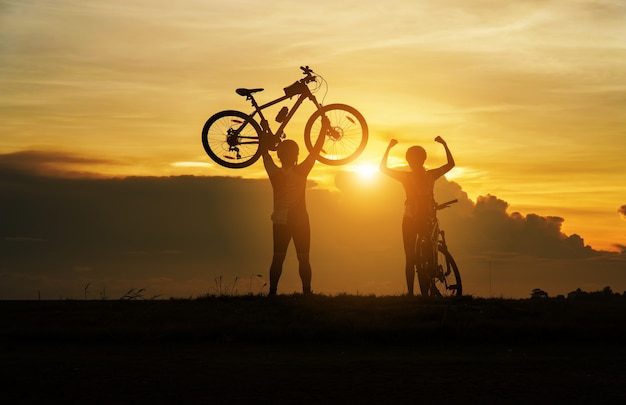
x=231 y=139
x=345 y=139
x=446 y=280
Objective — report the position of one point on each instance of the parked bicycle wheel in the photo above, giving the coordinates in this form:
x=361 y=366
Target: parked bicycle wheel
x=447 y=280
x=345 y=139
x=424 y=259
x=231 y=139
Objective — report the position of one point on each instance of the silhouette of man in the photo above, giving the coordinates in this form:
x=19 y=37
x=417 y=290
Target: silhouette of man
x=419 y=186
x=290 y=217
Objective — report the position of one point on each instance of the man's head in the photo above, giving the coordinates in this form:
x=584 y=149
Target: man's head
x=287 y=152
x=415 y=156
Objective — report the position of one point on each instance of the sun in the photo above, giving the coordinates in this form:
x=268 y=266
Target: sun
x=365 y=172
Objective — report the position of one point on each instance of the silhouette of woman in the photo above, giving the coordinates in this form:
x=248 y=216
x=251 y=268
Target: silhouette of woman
x=290 y=217
x=419 y=186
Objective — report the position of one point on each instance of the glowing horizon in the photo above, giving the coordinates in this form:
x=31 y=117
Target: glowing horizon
x=528 y=95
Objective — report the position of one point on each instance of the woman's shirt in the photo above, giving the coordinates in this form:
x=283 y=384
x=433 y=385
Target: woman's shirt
x=419 y=189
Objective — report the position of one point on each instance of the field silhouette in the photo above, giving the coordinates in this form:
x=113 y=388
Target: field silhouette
x=316 y=349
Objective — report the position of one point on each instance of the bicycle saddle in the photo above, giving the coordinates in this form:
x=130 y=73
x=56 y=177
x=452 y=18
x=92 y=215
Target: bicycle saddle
x=247 y=92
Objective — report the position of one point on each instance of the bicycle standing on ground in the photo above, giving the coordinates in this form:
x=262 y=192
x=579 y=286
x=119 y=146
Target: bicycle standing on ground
x=434 y=262
x=418 y=184
x=231 y=138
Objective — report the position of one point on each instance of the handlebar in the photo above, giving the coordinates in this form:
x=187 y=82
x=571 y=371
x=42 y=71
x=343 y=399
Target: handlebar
x=446 y=204
x=308 y=72
x=300 y=86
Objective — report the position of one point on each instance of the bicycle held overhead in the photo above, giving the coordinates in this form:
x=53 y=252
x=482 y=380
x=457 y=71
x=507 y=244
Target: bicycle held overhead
x=232 y=138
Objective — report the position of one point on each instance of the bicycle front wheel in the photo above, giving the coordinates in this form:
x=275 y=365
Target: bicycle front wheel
x=447 y=280
x=424 y=259
x=231 y=139
x=345 y=138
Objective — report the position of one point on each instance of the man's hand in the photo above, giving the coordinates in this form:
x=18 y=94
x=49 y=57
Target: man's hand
x=263 y=144
x=440 y=140
x=392 y=143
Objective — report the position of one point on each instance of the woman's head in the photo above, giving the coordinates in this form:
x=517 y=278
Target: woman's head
x=288 y=151
x=415 y=156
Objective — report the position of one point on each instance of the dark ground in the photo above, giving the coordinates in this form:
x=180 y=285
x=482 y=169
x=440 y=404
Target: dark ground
x=318 y=349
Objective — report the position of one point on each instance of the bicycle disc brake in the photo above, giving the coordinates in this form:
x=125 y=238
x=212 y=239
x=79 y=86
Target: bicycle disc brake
x=335 y=133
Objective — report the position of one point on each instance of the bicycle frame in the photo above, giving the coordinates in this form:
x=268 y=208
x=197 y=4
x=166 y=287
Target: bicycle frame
x=436 y=220
x=432 y=240
x=436 y=243
x=304 y=93
x=237 y=139
x=436 y=231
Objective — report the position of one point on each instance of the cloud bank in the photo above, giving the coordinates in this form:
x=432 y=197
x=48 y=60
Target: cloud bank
x=187 y=236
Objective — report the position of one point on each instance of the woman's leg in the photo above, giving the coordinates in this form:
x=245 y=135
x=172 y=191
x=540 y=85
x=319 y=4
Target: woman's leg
x=282 y=237
x=409 y=235
x=424 y=273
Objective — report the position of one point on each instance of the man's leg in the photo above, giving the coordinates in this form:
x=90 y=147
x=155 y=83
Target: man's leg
x=281 y=237
x=302 y=242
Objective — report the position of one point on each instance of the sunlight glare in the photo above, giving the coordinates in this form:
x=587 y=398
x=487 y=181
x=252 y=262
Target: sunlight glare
x=366 y=172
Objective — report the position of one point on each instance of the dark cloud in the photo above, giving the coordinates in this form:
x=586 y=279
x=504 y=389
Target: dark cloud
x=116 y=216
x=178 y=235
x=495 y=229
x=131 y=228
x=622 y=211
x=44 y=163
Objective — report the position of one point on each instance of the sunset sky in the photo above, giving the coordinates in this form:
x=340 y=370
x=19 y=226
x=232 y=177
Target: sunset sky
x=530 y=96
